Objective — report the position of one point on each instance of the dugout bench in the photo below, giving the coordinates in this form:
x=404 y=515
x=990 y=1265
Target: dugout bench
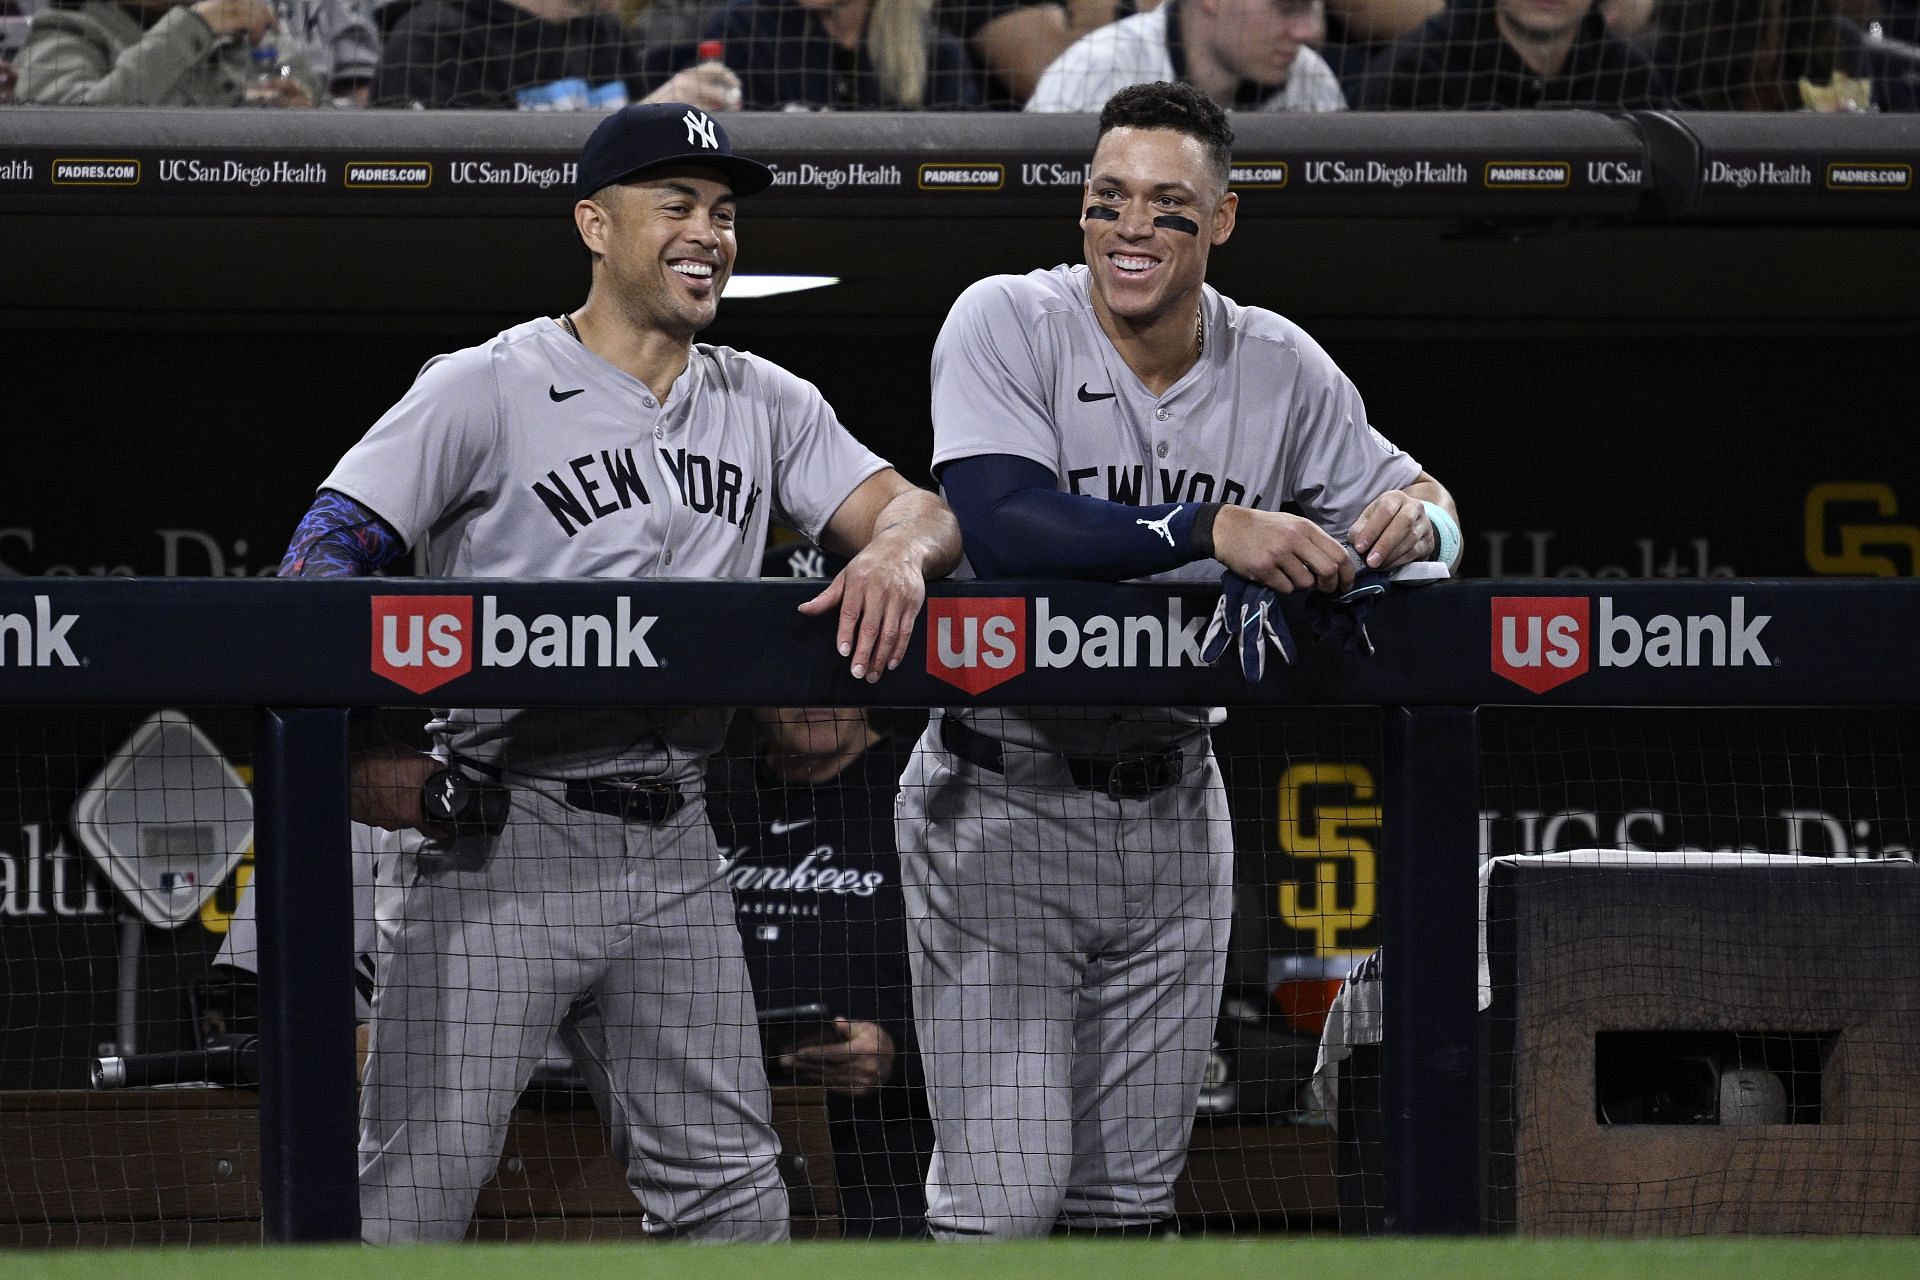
x=176 y=1166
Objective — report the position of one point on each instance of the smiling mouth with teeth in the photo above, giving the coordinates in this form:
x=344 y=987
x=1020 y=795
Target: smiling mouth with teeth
x=694 y=270
x=1133 y=266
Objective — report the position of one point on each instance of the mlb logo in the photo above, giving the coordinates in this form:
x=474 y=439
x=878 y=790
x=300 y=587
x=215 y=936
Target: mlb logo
x=974 y=645
x=1540 y=642
x=421 y=642
x=178 y=881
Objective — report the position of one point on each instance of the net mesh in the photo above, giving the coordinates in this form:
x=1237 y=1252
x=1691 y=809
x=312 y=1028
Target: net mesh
x=910 y=55
x=567 y=1047
x=1696 y=1008
x=1696 y=994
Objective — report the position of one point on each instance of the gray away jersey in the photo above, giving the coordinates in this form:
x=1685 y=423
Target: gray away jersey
x=1265 y=417
x=528 y=456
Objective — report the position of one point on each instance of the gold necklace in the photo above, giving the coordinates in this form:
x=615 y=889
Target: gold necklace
x=1199 y=333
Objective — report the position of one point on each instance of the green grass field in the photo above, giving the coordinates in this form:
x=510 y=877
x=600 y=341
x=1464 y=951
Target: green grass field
x=1278 y=1259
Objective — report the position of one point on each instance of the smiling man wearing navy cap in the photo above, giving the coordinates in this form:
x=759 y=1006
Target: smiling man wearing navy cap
x=603 y=444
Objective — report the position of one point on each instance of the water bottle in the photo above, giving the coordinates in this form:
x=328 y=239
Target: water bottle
x=268 y=75
x=716 y=51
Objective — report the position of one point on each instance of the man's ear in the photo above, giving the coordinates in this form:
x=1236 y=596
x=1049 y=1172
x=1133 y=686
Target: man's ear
x=591 y=220
x=1224 y=216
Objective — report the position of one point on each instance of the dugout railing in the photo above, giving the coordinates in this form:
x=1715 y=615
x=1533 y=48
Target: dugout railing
x=303 y=654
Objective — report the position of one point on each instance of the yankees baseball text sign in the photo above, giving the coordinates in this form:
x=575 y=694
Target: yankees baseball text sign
x=422 y=642
x=1541 y=642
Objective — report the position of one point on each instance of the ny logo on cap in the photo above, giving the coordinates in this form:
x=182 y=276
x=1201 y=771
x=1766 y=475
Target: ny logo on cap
x=700 y=129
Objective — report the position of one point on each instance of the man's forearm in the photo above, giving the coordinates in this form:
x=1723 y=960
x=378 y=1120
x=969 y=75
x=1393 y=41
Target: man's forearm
x=924 y=528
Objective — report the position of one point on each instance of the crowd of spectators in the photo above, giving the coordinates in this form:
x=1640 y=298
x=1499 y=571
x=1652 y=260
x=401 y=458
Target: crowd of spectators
x=1040 y=55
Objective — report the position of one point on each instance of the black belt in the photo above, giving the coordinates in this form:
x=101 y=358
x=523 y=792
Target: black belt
x=1118 y=777
x=646 y=800
x=633 y=798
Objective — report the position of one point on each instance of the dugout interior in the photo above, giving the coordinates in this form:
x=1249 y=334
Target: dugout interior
x=1658 y=380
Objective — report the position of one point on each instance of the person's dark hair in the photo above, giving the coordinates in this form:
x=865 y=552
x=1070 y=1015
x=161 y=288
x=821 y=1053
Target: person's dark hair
x=1179 y=107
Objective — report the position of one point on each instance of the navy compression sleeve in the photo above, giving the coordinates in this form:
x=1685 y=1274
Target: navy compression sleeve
x=340 y=538
x=1016 y=523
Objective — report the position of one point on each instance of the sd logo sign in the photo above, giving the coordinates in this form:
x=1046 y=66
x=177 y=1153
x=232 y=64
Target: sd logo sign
x=421 y=642
x=1540 y=642
x=977 y=644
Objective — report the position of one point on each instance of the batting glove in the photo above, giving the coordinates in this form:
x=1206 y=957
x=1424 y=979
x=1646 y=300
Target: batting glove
x=1248 y=615
x=1345 y=616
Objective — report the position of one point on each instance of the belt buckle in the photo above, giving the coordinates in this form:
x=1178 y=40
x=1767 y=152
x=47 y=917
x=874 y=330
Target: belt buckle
x=642 y=799
x=1135 y=778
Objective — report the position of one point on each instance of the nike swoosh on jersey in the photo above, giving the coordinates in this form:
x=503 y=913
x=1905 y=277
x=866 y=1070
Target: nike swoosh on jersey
x=780 y=827
x=1087 y=397
x=559 y=395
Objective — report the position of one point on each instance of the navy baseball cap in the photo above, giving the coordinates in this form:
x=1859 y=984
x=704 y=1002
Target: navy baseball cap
x=649 y=135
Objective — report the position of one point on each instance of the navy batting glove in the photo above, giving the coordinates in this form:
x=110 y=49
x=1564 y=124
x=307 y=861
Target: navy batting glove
x=1345 y=616
x=1247 y=616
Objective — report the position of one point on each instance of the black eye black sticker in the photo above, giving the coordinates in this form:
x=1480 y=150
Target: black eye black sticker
x=1101 y=213
x=1174 y=222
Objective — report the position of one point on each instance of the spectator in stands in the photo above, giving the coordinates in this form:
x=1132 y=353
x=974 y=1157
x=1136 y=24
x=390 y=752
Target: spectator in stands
x=1777 y=55
x=843 y=54
x=1502 y=54
x=534 y=54
x=1358 y=31
x=151 y=53
x=806 y=820
x=1249 y=55
x=1015 y=41
x=337 y=41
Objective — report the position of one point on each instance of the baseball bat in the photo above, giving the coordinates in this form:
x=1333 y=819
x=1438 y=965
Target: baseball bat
x=230 y=1060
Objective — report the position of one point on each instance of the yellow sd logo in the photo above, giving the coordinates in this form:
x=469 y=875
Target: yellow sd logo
x=216 y=913
x=1855 y=540
x=1328 y=836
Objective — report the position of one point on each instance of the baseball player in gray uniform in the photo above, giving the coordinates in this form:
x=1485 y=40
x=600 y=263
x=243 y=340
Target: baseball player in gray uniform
x=604 y=444
x=1068 y=871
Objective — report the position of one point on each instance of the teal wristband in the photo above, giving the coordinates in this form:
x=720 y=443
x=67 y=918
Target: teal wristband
x=1446 y=534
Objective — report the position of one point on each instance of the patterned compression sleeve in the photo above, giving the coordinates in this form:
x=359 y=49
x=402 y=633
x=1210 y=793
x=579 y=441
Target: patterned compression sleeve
x=1017 y=524
x=340 y=538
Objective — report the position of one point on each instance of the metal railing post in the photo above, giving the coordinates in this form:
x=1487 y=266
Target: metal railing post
x=1430 y=1085
x=308 y=1183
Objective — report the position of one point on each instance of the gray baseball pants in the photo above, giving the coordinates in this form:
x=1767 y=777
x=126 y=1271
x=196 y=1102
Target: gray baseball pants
x=1067 y=953
x=478 y=968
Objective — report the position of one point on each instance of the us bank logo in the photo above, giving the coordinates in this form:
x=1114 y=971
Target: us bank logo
x=422 y=642
x=976 y=644
x=1541 y=642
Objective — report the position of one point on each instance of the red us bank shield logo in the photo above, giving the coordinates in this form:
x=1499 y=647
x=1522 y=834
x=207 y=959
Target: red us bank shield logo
x=421 y=642
x=1540 y=642
x=977 y=644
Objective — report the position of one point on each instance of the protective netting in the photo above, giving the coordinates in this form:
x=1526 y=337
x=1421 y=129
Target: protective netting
x=710 y=1001
x=909 y=55
x=731 y=1003
x=1697 y=1008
